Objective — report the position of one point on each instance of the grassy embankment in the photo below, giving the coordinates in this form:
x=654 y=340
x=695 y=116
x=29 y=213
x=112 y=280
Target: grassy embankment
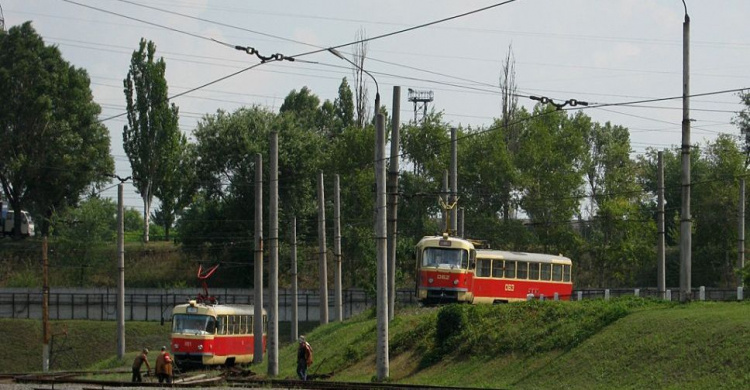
x=624 y=343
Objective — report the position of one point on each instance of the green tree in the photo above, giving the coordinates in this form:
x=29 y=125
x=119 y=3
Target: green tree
x=742 y=120
x=715 y=196
x=79 y=231
x=620 y=232
x=427 y=146
x=53 y=147
x=94 y=221
x=226 y=145
x=344 y=104
x=178 y=186
x=152 y=136
x=508 y=145
x=551 y=155
x=304 y=106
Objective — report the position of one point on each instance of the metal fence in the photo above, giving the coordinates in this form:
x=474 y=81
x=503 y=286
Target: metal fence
x=157 y=304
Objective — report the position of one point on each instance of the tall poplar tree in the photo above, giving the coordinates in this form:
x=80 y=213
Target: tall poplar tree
x=152 y=136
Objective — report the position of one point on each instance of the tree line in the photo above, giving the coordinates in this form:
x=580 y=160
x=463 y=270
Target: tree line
x=539 y=179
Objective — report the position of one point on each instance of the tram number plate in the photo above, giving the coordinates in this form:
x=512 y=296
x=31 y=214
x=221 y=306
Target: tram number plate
x=446 y=277
x=510 y=287
x=188 y=344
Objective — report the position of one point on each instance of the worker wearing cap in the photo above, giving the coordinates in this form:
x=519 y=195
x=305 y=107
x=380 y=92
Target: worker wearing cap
x=164 y=366
x=304 y=358
x=138 y=362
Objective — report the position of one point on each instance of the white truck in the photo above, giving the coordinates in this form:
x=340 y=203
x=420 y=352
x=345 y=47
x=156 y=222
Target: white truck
x=7 y=221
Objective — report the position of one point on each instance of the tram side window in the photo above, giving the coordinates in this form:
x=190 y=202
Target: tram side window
x=483 y=268
x=546 y=271
x=464 y=259
x=222 y=324
x=534 y=271
x=233 y=325
x=497 y=268
x=243 y=325
x=521 y=271
x=557 y=272
x=265 y=324
x=211 y=325
x=510 y=269
x=566 y=273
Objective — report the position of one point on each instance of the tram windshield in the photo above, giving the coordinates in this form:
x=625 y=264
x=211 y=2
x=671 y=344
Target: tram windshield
x=193 y=324
x=445 y=258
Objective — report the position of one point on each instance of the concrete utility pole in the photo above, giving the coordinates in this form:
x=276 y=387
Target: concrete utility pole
x=446 y=198
x=381 y=248
x=322 y=251
x=45 y=306
x=295 y=291
x=258 y=261
x=741 y=232
x=454 y=180
x=273 y=271
x=661 y=280
x=339 y=299
x=393 y=201
x=461 y=222
x=121 y=275
x=686 y=223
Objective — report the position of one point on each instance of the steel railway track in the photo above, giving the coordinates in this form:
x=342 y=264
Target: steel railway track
x=229 y=378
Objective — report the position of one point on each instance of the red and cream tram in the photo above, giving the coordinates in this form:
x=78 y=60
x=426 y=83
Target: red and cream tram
x=444 y=265
x=211 y=334
x=451 y=269
x=502 y=276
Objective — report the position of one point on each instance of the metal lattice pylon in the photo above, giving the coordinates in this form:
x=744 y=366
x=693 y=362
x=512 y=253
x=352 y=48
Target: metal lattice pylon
x=420 y=99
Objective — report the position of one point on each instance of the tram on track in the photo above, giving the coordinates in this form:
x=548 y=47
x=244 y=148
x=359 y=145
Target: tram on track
x=206 y=333
x=212 y=334
x=452 y=270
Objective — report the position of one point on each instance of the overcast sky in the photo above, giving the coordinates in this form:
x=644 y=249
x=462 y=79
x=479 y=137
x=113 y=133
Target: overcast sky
x=597 y=51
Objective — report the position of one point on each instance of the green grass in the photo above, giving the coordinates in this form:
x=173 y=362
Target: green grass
x=623 y=344
x=626 y=343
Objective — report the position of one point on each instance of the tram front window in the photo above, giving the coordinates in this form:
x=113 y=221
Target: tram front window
x=445 y=258
x=193 y=324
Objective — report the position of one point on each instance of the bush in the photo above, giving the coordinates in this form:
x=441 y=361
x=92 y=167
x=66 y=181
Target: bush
x=451 y=322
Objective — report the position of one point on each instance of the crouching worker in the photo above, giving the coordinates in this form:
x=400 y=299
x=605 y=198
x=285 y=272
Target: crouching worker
x=304 y=358
x=164 y=366
x=137 y=363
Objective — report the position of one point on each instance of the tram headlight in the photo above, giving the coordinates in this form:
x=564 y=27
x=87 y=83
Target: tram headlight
x=430 y=280
x=455 y=282
x=176 y=346
x=200 y=347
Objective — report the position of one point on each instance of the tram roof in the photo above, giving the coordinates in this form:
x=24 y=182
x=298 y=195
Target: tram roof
x=201 y=308
x=455 y=242
x=521 y=256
